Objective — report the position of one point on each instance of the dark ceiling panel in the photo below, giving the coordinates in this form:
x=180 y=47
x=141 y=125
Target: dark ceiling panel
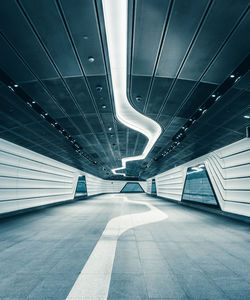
x=38 y=92
x=81 y=18
x=236 y=49
x=139 y=90
x=44 y=16
x=178 y=94
x=61 y=94
x=183 y=23
x=199 y=95
x=149 y=22
x=211 y=37
x=11 y=64
x=79 y=90
x=159 y=91
x=16 y=29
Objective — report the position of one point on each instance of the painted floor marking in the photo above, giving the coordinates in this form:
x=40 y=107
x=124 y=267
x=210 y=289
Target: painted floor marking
x=94 y=280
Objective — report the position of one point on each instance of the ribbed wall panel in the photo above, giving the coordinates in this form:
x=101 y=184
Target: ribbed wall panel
x=28 y=179
x=229 y=171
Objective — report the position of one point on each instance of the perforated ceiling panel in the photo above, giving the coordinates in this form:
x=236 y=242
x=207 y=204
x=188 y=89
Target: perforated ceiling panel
x=56 y=52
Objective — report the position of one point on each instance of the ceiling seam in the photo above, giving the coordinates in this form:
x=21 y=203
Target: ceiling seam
x=67 y=29
x=107 y=77
x=204 y=72
x=57 y=70
x=41 y=83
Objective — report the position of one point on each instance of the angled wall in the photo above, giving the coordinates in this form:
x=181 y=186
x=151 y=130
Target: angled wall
x=29 y=179
x=229 y=172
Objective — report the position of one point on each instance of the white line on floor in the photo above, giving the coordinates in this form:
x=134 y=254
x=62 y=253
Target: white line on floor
x=94 y=279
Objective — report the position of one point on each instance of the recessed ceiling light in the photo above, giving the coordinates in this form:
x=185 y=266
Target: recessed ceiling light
x=15 y=85
x=110 y=128
x=232 y=76
x=11 y=88
x=104 y=106
x=199 y=109
x=247 y=116
x=99 y=88
x=33 y=102
x=213 y=95
x=91 y=59
x=238 y=78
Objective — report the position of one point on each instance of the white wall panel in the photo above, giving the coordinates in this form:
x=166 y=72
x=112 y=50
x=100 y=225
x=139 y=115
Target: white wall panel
x=28 y=179
x=229 y=171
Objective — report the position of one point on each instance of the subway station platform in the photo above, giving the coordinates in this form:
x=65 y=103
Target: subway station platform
x=123 y=246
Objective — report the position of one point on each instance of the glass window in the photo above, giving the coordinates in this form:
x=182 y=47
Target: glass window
x=198 y=187
x=81 y=188
x=153 y=188
x=132 y=187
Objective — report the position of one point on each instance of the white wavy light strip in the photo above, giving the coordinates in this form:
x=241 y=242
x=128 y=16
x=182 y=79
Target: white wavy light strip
x=115 y=17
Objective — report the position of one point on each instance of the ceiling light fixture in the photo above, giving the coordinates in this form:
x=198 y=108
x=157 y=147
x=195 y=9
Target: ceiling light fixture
x=232 y=76
x=115 y=18
x=15 y=85
x=99 y=88
x=247 y=116
x=11 y=88
x=104 y=106
x=91 y=59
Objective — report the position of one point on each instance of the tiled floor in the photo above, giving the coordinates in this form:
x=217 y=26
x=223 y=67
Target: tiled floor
x=190 y=255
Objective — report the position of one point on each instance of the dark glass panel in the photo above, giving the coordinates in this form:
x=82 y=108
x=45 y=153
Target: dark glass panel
x=153 y=188
x=132 y=187
x=198 y=187
x=81 y=188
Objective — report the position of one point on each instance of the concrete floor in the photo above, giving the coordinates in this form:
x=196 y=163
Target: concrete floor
x=190 y=255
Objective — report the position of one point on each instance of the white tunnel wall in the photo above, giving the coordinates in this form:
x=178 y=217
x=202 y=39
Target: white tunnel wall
x=229 y=172
x=29 y=179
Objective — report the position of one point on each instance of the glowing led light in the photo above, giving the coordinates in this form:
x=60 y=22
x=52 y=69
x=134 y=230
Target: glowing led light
x=247 y=117
x=11 y=88
x=91 y=59
x=115 y=18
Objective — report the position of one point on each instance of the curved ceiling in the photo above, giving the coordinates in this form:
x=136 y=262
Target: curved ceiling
x=179 y=53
